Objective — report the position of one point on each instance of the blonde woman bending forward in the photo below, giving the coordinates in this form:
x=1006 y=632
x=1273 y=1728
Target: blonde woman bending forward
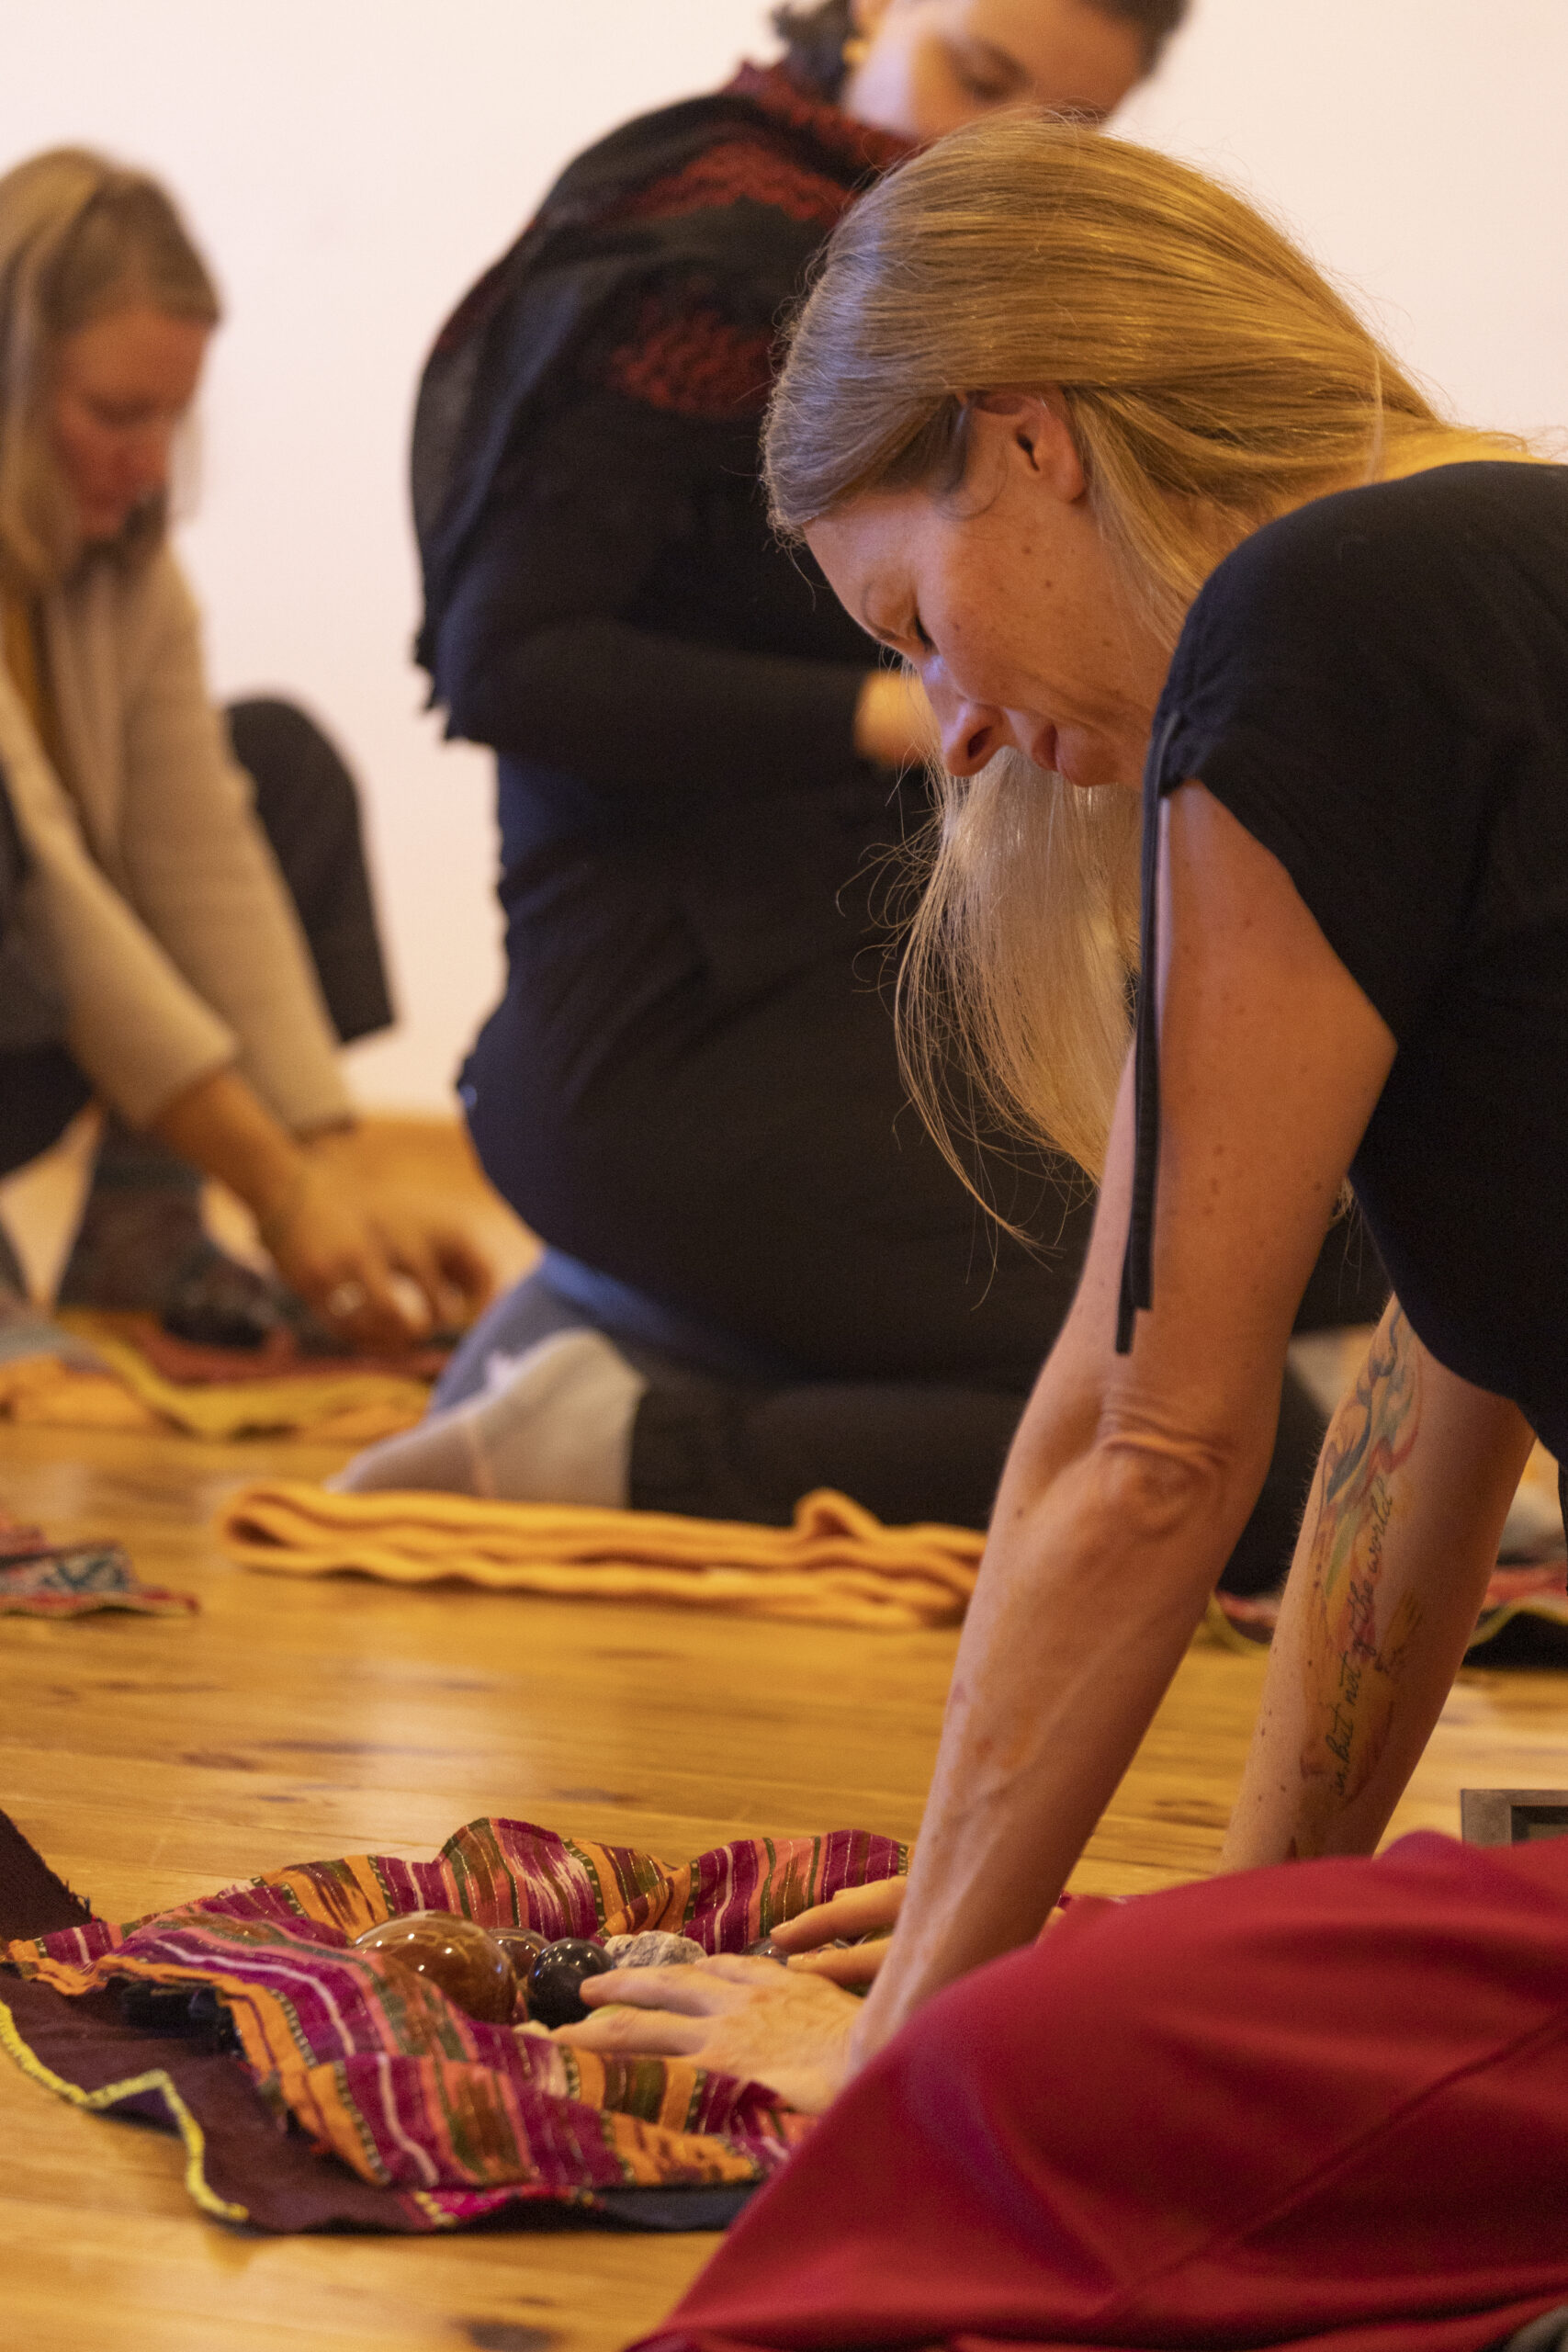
x=1095 y=450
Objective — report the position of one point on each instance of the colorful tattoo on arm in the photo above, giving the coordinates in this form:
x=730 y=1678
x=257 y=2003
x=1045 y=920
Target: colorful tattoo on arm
x=1355 y=1661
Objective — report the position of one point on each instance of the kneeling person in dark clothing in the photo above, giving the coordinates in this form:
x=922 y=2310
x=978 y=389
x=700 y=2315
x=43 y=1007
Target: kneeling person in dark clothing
x=761 y=1275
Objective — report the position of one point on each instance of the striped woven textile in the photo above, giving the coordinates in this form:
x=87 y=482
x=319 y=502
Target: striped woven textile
x=1523 y=1619
x=384 y=2074
x=39 y=1579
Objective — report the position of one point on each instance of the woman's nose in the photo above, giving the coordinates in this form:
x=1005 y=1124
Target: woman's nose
x=970 y=738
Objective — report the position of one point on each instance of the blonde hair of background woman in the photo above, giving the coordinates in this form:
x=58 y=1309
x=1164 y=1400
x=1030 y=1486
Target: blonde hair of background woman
x=80 y=238
x=1213 y=380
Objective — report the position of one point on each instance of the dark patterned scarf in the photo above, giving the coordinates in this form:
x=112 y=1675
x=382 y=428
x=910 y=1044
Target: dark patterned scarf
x=700 y=223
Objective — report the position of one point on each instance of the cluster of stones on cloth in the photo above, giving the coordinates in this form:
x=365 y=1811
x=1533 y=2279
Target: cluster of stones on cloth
x=498 y=1975
x=511 y=1975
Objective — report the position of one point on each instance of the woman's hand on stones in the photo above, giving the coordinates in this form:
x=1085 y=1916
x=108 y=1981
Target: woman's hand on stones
x=813 y=1939
x=784 y=2028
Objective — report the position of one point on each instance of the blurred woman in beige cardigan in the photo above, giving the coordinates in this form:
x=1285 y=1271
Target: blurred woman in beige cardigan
x=150 y=953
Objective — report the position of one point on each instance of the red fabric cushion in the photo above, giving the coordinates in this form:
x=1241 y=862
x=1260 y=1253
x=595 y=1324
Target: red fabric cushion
x=1327 y=2102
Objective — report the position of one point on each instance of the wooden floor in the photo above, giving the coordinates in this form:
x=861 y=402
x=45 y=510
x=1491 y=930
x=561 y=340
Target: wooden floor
x=153 y=1759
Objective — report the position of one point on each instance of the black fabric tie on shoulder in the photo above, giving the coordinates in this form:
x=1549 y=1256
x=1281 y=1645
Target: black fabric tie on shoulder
x=1137 y=1260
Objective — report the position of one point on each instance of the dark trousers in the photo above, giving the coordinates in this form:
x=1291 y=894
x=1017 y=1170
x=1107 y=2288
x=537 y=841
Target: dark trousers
x=308 y=807
x=691 y=1091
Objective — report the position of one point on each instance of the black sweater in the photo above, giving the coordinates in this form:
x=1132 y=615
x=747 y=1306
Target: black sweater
x=691 y=1082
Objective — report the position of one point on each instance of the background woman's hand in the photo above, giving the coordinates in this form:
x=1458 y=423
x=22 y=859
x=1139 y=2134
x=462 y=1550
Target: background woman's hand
x=382 y=1269
x=746 y=2018
x=811 y=1937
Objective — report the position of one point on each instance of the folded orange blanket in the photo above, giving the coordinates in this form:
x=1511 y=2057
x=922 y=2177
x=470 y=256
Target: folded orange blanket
x=836 y=1566
x=123 y=1378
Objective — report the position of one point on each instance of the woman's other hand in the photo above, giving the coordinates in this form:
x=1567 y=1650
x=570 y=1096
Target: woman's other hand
x=746 y=2018
x=895 y=724
x=377 y=1265
x=812 y=1937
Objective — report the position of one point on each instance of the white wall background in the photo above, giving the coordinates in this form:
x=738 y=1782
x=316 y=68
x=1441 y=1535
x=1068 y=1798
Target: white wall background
x=350 y=166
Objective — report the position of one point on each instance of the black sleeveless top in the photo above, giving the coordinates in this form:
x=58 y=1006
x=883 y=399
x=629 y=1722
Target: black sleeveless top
x=1376 y=687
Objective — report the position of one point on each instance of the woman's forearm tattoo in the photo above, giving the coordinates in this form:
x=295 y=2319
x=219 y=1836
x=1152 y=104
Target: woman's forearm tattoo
x=1355 y=1664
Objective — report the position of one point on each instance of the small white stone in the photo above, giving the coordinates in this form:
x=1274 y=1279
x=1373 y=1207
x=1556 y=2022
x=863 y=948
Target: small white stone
x=653 y=1950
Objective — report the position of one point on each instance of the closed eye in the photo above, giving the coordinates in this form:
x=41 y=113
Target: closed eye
x=898 y=640
x=986 y=75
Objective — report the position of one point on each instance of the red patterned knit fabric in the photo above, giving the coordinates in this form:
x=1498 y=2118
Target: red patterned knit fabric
x=742 y=171
x=686 y=354
x=690 y=360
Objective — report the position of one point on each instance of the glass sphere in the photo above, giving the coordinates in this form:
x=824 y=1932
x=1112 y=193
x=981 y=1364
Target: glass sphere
x=458 y=1956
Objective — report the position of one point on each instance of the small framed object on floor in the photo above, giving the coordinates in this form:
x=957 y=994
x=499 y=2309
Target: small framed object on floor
x=1512 y=1817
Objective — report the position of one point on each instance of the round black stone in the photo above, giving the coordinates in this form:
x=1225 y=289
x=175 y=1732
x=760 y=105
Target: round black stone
x=554 y=1980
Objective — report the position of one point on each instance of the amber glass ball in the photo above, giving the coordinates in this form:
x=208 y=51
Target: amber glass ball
x=521 y=1947
x=457 y=1955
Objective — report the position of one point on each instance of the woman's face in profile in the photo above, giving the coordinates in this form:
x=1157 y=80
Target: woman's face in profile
x=1005 y=599
x=123 y=387
x=932 y=65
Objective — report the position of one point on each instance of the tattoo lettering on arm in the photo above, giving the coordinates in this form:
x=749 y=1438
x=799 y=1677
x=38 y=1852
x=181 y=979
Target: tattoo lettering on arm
x=1358 y=1650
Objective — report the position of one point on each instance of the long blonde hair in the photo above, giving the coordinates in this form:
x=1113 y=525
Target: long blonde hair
x=1213 y=380
x=80 y=237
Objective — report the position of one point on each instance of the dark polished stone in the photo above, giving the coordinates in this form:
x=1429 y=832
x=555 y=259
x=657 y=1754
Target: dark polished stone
x=521 y=1947
x=177 y=2009
x=554 y=1986
x=458 y=1956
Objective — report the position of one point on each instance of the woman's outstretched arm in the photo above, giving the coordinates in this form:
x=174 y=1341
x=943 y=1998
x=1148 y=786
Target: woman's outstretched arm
x=1130 y=1476
x=1400 y=1538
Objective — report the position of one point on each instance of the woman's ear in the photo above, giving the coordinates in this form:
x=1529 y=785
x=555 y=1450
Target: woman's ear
x=1031 y=430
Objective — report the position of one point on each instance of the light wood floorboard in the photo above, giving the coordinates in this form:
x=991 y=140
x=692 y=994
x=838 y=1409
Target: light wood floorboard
x=153 y=1760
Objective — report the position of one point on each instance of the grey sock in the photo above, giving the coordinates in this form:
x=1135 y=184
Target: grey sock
x=553 y=1426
